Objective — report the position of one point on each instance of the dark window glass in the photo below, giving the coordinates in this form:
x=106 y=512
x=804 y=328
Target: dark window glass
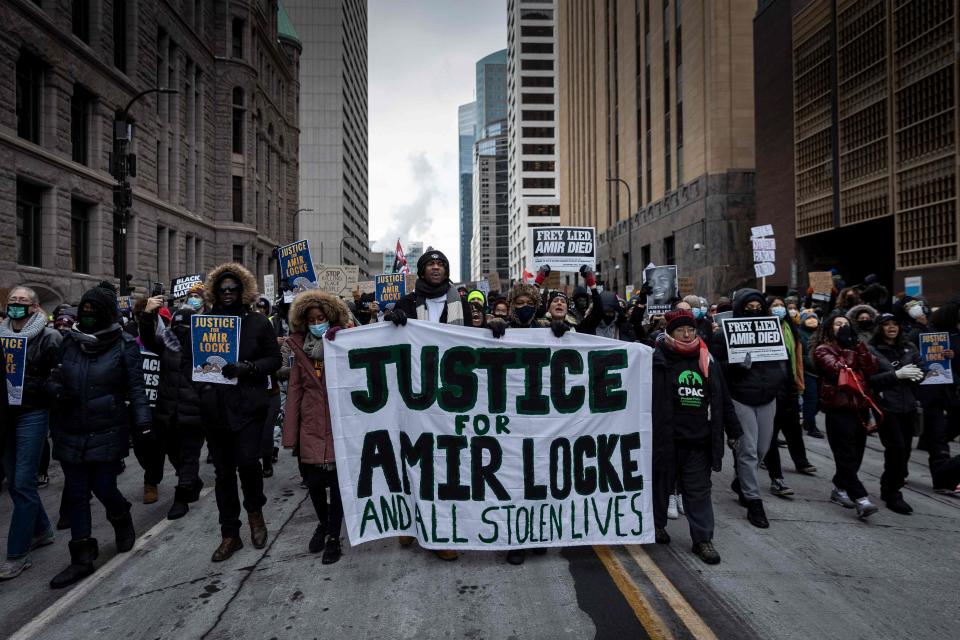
x=238 y=114
x=536 y=14
x=536 y=98
x=536 y=65
x=538 y=149
x=536 y=47
x=79 y=236
x=537 y=132
x=238 y=253
x=539 y=165
x=645 y=255
x=237 y=38
x=120 y=35
x=538 y=183
x=536 y=115
x=29 y=230
x=29 y=83
x=668 y=251
x=543 y=210
x=237 y=199
x=81 y=19
x=536 y=81
x=536 y=32
x=80 y=106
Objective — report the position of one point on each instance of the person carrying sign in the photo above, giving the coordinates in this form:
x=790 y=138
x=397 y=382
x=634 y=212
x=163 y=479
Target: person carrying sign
x=605 y=318
x=314 y=316
x=840 y=352
x=177 y=413
x=941 y=402
x=692 y=411
x=754 y=388
x=100 y=393
x=26 y=433
x=233 y=415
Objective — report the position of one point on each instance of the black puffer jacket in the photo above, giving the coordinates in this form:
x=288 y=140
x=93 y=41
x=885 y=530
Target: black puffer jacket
x=762 y=381
x=100 y=392
x=42 y=354
x=892 y=394
x=178 y=405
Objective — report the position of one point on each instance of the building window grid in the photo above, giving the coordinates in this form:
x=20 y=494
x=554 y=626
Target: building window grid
x=80 y=108
x=30 y=73
x=79 y=236
x=29 y=224
x=80 y=19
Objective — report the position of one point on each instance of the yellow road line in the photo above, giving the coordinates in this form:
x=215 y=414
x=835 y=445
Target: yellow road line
x=637 y=601
x=690 y=618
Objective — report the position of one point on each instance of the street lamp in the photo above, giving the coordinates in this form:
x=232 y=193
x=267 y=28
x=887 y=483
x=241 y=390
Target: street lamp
x=629 y=271
x=124 y=166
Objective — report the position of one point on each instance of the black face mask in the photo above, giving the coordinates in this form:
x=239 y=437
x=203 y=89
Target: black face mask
x=581 y=304
x=91 y=322
x=609 y=318
x=865 y=325
x=752 y=313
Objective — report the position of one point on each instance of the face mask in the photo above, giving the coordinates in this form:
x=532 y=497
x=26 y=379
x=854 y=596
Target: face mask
x=195 y=303
x=581 y=304
x=865 y=325
x=752 y=313
x=16 y=310
x=319 y=329
x=697 y=313
x=525 y=313
x=915 y=312
x=87 y=322
x=780 y=312
x=793 y=313
x=703 y=311
x=608 y=318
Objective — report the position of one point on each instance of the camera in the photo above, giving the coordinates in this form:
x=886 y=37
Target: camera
x=157 y=289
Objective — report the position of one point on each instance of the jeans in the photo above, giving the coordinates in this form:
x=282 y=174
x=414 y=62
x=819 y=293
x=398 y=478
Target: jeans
x=100 y=478
x=237 y=453
x=896 y=434
x=811 y=400
x=318 y=480
x=848 y=440
x=692 y=469
x=757 y=423
x=21 y=459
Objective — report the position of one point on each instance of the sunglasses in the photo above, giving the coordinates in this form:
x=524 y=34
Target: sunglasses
x=230 y=289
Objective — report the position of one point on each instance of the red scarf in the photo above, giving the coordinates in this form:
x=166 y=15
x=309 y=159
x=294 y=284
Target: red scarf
x=690 y=348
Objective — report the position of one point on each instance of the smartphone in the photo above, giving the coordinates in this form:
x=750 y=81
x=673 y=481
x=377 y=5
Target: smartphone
x=157 y=289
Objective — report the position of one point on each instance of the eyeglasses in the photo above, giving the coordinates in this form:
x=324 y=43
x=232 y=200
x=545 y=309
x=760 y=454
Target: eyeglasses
x=230 y=288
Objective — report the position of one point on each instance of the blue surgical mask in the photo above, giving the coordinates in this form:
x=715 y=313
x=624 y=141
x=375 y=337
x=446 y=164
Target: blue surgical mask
x=779 y=311
x=697 y=313
x=195 y=302
x=703 y=311
x=319 y=329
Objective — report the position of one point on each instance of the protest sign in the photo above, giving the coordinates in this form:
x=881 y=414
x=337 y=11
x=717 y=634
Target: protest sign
x=762 y=338
x=936 y=367
x=338 y=279
x=563 y=248
x=368 y=286
x=484 y=286
x=821 y=282
x=151 y=375
x=913 y=285
x=390 y=287
x=764 y=252
x=685 y=285
x=411 y=281
x=663 y=281
x=15 y=350
x=762 y=231
x=296 y=269
x=469 y=442
x=216 y=343
x=493 y=279
x=269 y=287
x=552 y=281
x=180 y=286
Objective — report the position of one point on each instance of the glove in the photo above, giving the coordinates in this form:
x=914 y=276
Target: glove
x=646 y=289
x=542 y=274
x=146 y=435
x=734 y=444
x=747 y=362
x=589 y=277
x=909 y=372
x=846 y=337
x=231 y=371
x=398 y=318
x=559 y=327
x=331 y=333
x=498 y=327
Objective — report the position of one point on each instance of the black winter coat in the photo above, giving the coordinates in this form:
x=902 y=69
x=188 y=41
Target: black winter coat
x=99 y=394
x=723 y=418
x=891 y=393
x=234 y=406
x=178 y=405
x=42 y=352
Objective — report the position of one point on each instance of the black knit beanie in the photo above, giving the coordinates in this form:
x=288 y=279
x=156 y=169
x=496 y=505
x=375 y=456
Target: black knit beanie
x=433 y=254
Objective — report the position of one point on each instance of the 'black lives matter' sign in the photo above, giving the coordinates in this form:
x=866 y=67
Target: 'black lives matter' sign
x=563 y=248
x=762 y=338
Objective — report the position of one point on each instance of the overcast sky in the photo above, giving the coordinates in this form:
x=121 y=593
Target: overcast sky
x=422 y=62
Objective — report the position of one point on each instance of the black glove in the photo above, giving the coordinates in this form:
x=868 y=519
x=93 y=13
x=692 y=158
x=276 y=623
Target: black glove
x=498 y=327
x=589 y=277
x=239 y=370
x=559 y=327
x=146 y=435
x=646 y=289
x=398 y=318
x=847 y=337
x=542 y=274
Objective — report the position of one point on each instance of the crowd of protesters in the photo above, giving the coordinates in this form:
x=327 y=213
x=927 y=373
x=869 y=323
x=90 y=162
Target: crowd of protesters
x=855 y=358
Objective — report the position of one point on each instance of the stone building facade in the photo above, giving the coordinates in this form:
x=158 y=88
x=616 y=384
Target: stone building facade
x=216 y=163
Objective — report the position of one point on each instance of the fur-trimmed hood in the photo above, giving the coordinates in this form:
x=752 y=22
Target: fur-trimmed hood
x=333 y=307
x=523 y=290
x=861 y=308
x=247 y=281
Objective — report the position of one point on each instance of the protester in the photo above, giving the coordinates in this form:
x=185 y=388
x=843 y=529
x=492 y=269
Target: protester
x=606 y=319
x=234 y=415
x=941 y=402
x=64 y=319
x=754 y=388
x=863 y=319
x=25 y=436
x=807 y=332
x=524 y=303
x=435 y=299
x=847 y=411
x=269 y=451
x=691 y=412
x=177 y=414
x=306 y=422
x=100 y=393
x=848 y=298
x=195 y=297
x=896 y=389
x=499 y=308
x=558 y=317
x=478 y=316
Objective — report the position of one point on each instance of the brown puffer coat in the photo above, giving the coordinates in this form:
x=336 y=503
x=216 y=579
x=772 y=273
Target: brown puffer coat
x=306 y=420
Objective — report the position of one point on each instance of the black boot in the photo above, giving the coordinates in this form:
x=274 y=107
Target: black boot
x=180 y=506
x=276 y=454
x=267 y=467
x=332 y=551
x=897 y=504
x=82 y=554
x=735 y=486
x=756 y=515
x=123 y=528
x=516 y=556
x=318 y=539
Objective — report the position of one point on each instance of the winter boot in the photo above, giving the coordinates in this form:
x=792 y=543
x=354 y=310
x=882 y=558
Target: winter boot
x=661 y=535
x=756 y=515
x=319 y=538
x=180 y=506
x=897 y=504
x=735 y=487
x=267 y=465
x=123 y=528
x=332 y=551
x=228 y=546
x=82 y=554
x=258 y=529
x=516 y=556
x=151 y=493
x=706 y=552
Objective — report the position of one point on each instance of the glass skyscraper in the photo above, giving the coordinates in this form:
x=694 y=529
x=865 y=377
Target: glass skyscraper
x=468 y=121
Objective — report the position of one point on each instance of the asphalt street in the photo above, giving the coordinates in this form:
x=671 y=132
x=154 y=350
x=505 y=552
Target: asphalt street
x=817 y=572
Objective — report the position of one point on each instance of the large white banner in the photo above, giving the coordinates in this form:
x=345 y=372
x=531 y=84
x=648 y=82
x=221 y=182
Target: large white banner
x=469 y=442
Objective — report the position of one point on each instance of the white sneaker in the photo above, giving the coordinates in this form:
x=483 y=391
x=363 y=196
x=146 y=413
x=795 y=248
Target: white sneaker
x=840 y=497
x=865 y=508
x=672 y=511
x=10 y=569
x=680 y=505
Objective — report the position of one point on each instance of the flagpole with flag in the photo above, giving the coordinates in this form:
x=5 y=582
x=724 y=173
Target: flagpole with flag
x=399 y=261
